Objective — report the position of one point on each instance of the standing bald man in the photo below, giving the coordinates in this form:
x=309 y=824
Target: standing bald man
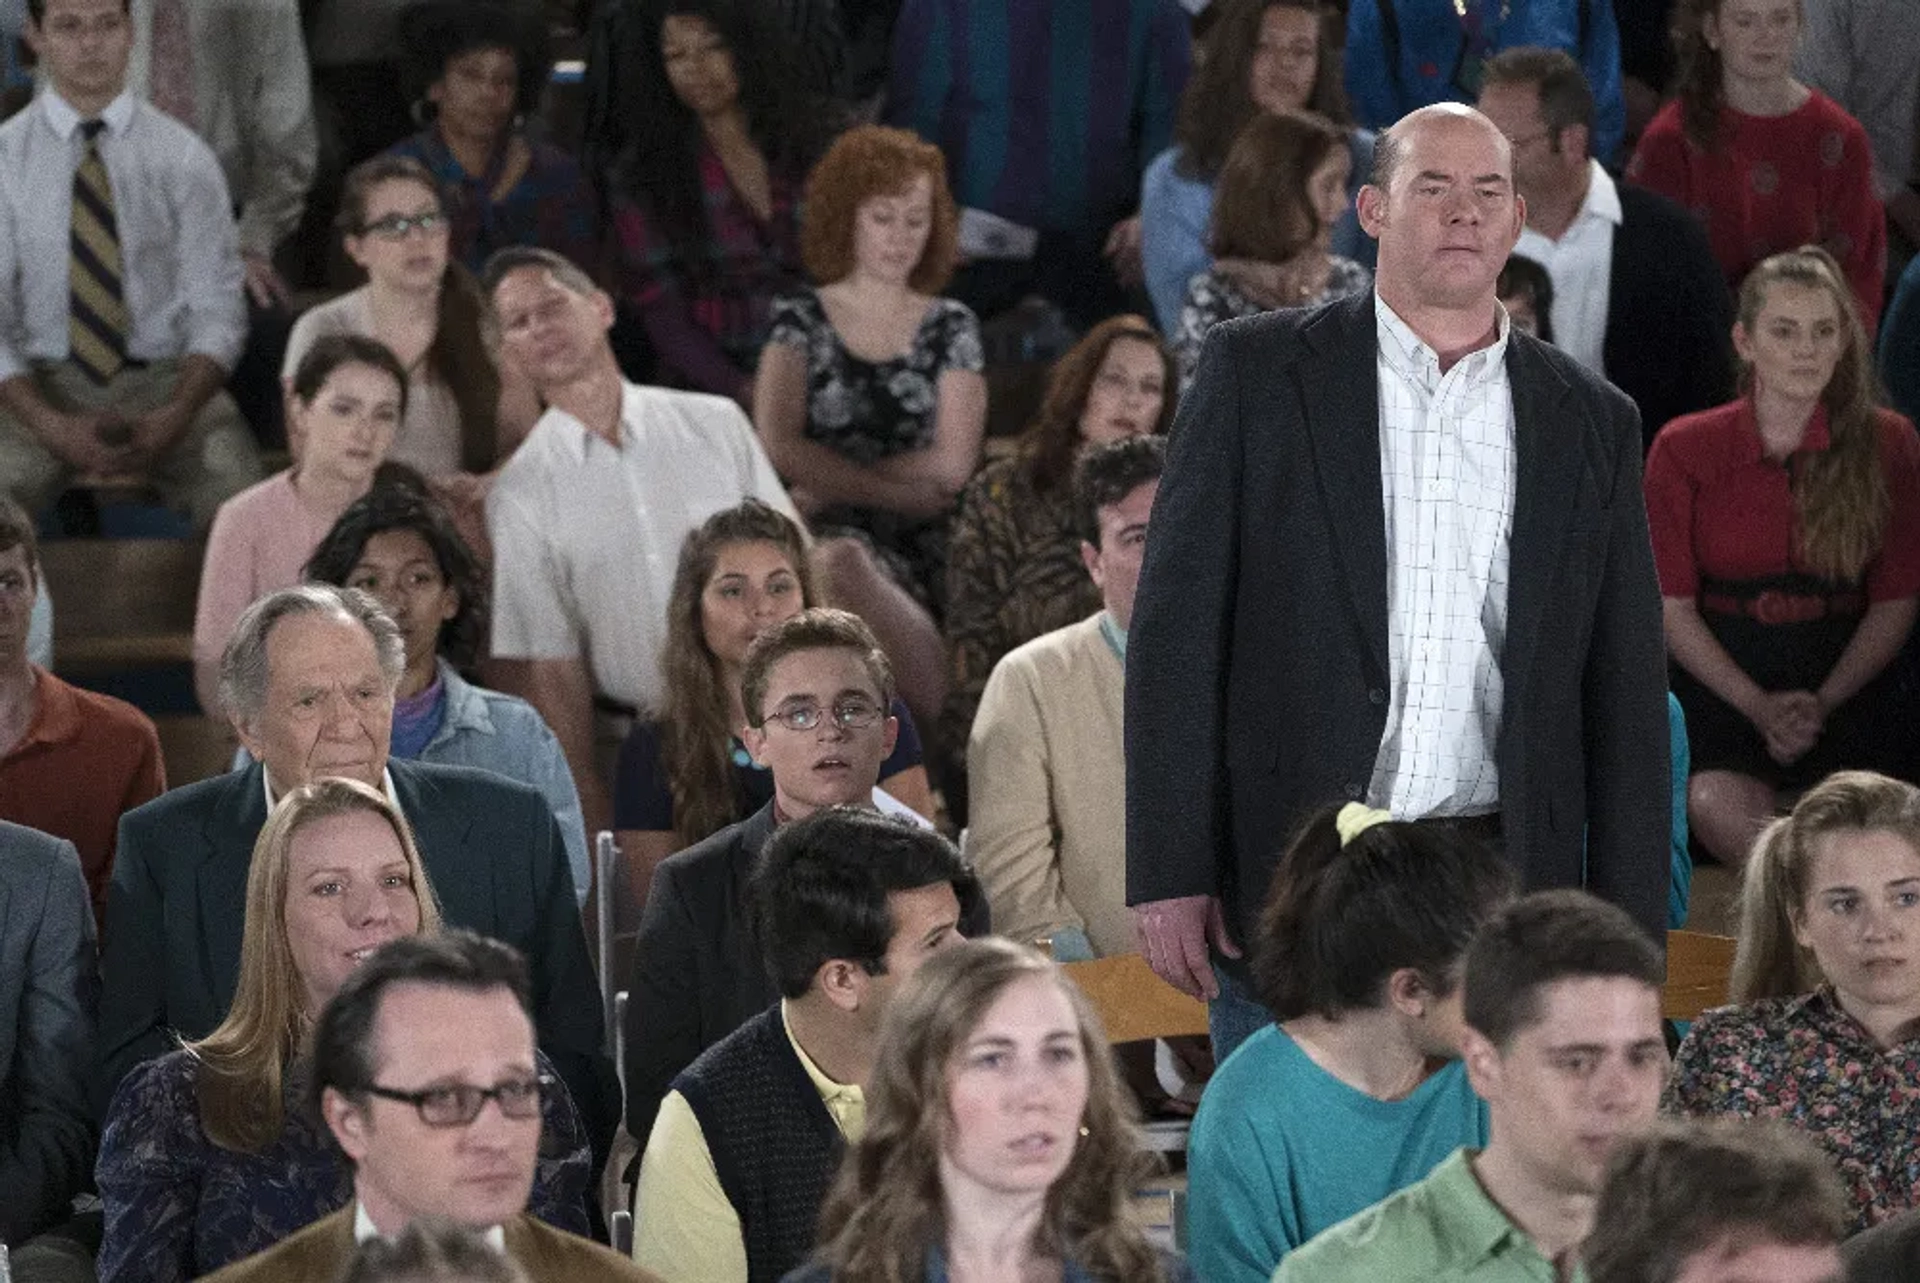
x=1399 y=557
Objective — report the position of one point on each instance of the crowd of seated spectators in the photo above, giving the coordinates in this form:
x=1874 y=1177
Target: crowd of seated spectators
x=631 y=475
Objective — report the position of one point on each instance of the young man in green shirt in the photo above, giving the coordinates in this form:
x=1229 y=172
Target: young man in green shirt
x=1564 y=1043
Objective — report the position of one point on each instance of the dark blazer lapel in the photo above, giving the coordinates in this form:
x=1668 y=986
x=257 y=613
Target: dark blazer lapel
x=233 y=824
x=1548 y=456
x=442 y=824
x=1339 y=390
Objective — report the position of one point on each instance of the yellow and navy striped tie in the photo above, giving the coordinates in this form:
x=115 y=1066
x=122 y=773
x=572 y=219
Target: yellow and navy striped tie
x=97 y=321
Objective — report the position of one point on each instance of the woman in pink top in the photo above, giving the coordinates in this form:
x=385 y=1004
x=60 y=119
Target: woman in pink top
x=346 y=400
x=1767 y=163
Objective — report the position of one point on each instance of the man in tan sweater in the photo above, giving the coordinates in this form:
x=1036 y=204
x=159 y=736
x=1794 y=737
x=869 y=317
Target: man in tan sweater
x=1045 y=760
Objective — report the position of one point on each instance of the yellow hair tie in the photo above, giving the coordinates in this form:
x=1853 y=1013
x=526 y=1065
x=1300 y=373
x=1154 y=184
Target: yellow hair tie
x=1356 y=818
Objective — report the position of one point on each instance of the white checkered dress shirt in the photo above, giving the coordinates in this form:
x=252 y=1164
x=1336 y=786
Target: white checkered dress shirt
x=1447 y=475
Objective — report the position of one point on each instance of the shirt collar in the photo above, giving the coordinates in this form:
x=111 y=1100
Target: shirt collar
x=363 y=1229
x=1603 y=197
x=1473 y=1221
x=386 y=787
x=56 y=713
x=65 y=120
x=581 y=439
x=845 y=1101
x=1115 y=635
x=1414 y=359
x=466 y=710
x=1818 y=436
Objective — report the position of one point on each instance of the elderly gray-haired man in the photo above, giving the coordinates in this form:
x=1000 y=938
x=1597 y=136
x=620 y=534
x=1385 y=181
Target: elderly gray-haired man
x=308 y=680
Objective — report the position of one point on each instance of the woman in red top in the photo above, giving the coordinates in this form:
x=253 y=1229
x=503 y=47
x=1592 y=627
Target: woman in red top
x=1765 y=162
x=1786 y=532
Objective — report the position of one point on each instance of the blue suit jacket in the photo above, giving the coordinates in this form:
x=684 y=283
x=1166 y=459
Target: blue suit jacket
x=177 y=906
x=49 y=988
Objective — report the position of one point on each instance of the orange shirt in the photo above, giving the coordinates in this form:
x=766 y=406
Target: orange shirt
x=85 y=760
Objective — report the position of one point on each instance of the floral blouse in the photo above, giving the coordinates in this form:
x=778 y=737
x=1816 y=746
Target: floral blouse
x=873 y=410
x=1212 y=297
x=1013 y=573
x=1808 y=1062
x=179 y=1206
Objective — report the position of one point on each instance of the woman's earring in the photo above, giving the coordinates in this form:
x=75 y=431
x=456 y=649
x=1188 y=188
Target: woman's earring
x=1085 y=1131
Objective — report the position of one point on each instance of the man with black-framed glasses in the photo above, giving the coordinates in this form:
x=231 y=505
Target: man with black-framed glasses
x=816 y=689
x=424 y=1070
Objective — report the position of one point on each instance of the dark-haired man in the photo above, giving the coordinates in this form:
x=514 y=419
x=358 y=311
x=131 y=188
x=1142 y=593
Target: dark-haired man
x=1047 y=767
x=1563 y=1041
x=1722 y=1201
x=423 y=1069
x=588 y=516
x=1637 y=295
x=816 y=689
x=849 y=903
x=120 y=282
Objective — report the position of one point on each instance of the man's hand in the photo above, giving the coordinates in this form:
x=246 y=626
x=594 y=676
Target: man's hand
x=265 y=286
x=1174 y=935
x=1123 y=251
x=156 y=432
x=91 y=442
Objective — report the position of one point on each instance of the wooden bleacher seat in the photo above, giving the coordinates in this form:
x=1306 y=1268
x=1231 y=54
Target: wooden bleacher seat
x=1698 y=969
x=121 y=603
x=1133 y=1003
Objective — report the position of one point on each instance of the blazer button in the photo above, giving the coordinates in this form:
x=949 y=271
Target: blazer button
x=1376 y=696
x=1354 y=791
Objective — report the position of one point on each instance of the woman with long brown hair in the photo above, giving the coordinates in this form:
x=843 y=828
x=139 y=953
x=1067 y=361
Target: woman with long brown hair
x=1281 y=190
x=465 y=414
x=1259 y=57
x=1824 y=1032
x=687 y=775
x=1000 y=1142
x=1786 y=534
x=1766 y=162
x=209 y=1153
x=1013 y=554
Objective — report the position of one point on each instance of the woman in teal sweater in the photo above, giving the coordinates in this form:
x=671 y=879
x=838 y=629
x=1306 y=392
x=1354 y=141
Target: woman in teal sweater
x=1355 y=1091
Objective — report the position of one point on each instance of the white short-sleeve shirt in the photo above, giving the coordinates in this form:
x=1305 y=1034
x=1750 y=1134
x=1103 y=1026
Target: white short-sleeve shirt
x=586 y=535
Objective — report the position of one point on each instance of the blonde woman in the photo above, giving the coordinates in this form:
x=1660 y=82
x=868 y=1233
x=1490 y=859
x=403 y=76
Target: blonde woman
x=208 y=1155
x=999 y=1144
x=1786 y=535
x=1825 y=1030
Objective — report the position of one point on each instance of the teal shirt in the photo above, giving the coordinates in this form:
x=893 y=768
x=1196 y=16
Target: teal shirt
x=1443 y=1230
x=1281 y=1149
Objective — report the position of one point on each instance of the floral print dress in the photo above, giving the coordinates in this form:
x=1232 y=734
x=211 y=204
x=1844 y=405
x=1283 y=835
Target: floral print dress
x=1805 y=1061
x=873 y=410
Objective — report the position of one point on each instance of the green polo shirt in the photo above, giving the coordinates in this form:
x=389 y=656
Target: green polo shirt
x=1443 y=1229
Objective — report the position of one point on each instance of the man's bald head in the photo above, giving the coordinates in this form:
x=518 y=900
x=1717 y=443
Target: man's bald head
x=1391 y=147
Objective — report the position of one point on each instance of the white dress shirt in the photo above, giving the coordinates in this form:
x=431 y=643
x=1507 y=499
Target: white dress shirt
x=181 y=266
x=1447 y=476
x=364 y=1229
x=1580 y=264
x=586 y=534
x=251 y=103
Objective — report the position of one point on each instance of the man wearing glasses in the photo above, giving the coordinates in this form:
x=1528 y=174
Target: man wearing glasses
x=424 y=1071
x=816 y=689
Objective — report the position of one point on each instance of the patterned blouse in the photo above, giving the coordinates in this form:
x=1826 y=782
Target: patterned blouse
x=1213 y=297
x=1805 y=1060
x=1013 y=573
x=179 y=1206
x=709 y=327
x=873 y=410
x=553 y=205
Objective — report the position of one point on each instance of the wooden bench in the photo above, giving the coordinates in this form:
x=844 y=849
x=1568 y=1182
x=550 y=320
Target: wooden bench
x=1698 y=969
x=121 y=603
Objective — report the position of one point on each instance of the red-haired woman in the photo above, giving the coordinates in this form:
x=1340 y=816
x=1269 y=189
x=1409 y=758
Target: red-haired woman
x=869 y=394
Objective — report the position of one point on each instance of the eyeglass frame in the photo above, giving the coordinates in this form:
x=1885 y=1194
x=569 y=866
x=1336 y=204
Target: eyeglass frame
x=542 y=1084
x=397 y=227
x=846 y=714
